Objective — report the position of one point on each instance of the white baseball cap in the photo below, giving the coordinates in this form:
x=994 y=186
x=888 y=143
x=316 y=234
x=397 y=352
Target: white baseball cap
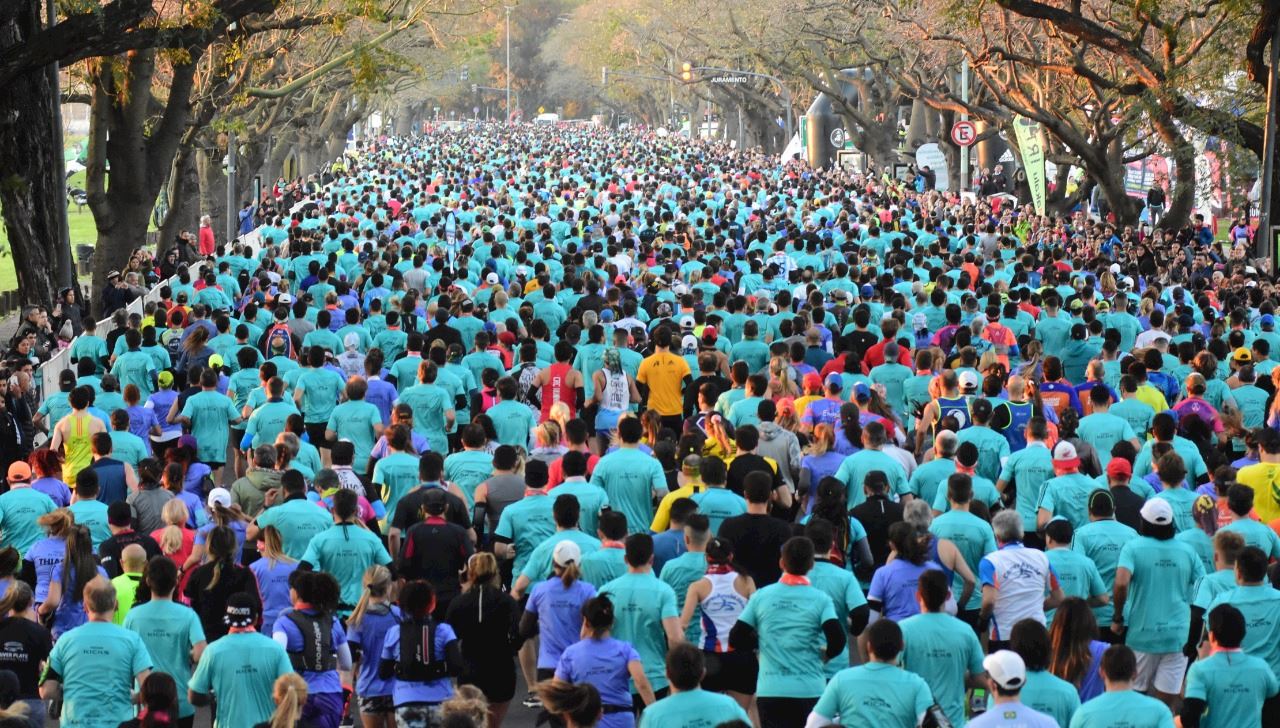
x=1006 y=668
x=565 y=553
x=1157 y=512
x=351 y=341
x=491 y=278
x=220 y=497
x=968 y=380
x=1065 y=451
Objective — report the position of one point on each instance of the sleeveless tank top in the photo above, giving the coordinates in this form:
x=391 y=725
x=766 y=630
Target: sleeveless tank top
x=557 y=389
x=617 y=393
x=720 y=610
x=78 y=446
x=957 y=407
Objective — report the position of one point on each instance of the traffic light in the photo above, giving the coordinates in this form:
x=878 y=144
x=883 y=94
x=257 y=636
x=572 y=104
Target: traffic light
x=473 y=88
x=465 y=75
x=686 y=72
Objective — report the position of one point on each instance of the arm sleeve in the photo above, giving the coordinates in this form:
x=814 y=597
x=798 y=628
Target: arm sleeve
x=836 y=640
x=1192 y=709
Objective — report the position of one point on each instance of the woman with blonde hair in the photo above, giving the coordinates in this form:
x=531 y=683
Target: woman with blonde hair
x=548 y=446
x=486 y=620
x=781 y=385
x=820 y=461
x=44 y=555
x=272 y=571
x=176 y=540
x=290 y=694
x=367 y=627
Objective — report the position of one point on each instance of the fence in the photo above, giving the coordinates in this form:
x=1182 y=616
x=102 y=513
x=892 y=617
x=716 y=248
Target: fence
x=52 y=369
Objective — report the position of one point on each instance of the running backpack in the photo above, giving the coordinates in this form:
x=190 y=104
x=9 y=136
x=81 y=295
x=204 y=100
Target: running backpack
x=317 y=643
x=418 y=660
x=279 y=331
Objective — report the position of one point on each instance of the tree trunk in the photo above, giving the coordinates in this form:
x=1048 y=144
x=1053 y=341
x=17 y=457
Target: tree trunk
x=213 y=188
x=31 y=194
x=125 y=135
x=184 y=200
x=1184 y=182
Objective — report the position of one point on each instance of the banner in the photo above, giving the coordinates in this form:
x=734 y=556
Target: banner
x=1031 y=144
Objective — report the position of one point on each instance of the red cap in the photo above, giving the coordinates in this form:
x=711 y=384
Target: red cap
x=812 y=380
x=1119 y=467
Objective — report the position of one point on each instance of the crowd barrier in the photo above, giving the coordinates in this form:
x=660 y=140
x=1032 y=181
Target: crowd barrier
x=49 y=372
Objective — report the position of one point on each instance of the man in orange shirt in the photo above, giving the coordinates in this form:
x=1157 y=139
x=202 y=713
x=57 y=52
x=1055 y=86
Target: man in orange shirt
x=664 y=376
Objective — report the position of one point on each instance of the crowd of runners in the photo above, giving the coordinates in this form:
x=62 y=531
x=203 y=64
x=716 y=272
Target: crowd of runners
x=674 y=436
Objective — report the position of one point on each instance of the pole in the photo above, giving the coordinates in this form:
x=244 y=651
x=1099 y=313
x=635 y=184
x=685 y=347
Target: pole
x=1265 y=213
x=964 y=116
x=508 y=63
x=65 y=274
x=740 y=137
x=790 y=113
x=231 y=186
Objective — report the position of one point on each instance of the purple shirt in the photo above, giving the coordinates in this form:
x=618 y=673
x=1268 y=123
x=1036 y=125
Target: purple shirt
x=141 y=420
x=55 y=489
x=382 y=394
x=559 y=613
x=273 y=587
x=894 y=586
x=369 y=636
x=46 y=554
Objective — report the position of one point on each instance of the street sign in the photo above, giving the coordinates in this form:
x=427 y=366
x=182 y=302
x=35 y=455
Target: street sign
x=838 y=137
x=963 y=133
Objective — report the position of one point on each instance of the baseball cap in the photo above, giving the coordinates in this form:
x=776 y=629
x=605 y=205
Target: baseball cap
x=242 y=611
x=812 y=380
x=1267 y=320
x=1157 y=512
x=1119 y=468
x=709 y=334
x=284 y=298
x=1064 y=452
x=1077 y=305
x=689 y=344
x=686 y=322
x=565 y=553
x=1006 y=668
x=434 y=501
x=491 y=278
x=835 y=381
x=606 y=315
x=1079 y=332
x=968 y=380
x=861 y=391
x=351 y=341
x=215 y=361
x=113 y=274
x=219 y=496
x=165 y=379
x=868 y=290
x=1242 y=355
x=19 y=472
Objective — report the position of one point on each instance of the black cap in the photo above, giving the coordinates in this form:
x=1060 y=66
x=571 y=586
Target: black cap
x=242 y=611
x=1079 y=332
x=435 y=501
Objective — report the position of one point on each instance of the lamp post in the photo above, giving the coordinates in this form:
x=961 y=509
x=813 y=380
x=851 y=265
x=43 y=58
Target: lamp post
x=508 y=8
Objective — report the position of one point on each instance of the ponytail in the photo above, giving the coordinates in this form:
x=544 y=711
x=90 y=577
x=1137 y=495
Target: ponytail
x=377 y=582
x=175 y=515
x=273 y=546
x=290 y=693
x=569 y=573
